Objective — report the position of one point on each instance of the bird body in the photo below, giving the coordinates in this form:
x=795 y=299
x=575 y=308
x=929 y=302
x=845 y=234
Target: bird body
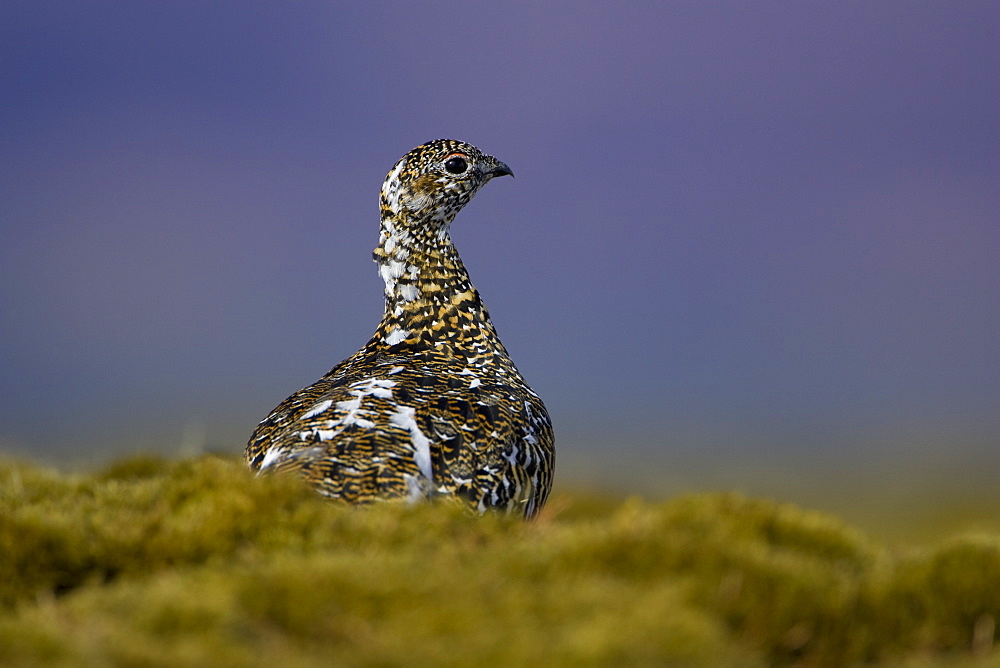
x=432 y=404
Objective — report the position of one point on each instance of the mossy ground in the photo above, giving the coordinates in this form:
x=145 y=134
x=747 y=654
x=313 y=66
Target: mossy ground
x=196 y=562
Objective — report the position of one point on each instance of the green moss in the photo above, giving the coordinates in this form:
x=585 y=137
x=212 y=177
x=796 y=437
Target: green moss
x=200 y=557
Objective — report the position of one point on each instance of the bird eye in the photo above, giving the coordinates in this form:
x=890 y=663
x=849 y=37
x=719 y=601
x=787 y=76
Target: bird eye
x=456 y=164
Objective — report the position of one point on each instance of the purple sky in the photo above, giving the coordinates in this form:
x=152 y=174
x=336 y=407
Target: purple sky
x=734 y=227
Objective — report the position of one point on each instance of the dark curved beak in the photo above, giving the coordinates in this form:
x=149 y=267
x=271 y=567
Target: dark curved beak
x=501 y=169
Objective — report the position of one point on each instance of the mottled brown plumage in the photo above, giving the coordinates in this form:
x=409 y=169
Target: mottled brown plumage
x=432 y=404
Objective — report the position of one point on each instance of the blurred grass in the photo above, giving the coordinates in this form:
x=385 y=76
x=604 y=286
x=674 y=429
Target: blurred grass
x=196 y=562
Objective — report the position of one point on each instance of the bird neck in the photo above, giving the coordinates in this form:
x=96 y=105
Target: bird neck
x=430 y=302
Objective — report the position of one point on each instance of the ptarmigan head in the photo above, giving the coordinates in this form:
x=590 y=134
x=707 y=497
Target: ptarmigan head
x=434 y=181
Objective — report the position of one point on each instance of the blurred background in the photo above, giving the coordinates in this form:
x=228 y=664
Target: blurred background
x=749 y=246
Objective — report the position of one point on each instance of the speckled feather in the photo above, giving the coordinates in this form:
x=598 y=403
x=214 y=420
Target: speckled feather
x=432 y=404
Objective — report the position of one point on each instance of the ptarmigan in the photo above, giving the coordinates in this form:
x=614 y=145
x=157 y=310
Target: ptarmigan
x=432 y=404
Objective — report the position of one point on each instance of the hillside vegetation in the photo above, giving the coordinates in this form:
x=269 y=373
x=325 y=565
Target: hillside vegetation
x=196 y=562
